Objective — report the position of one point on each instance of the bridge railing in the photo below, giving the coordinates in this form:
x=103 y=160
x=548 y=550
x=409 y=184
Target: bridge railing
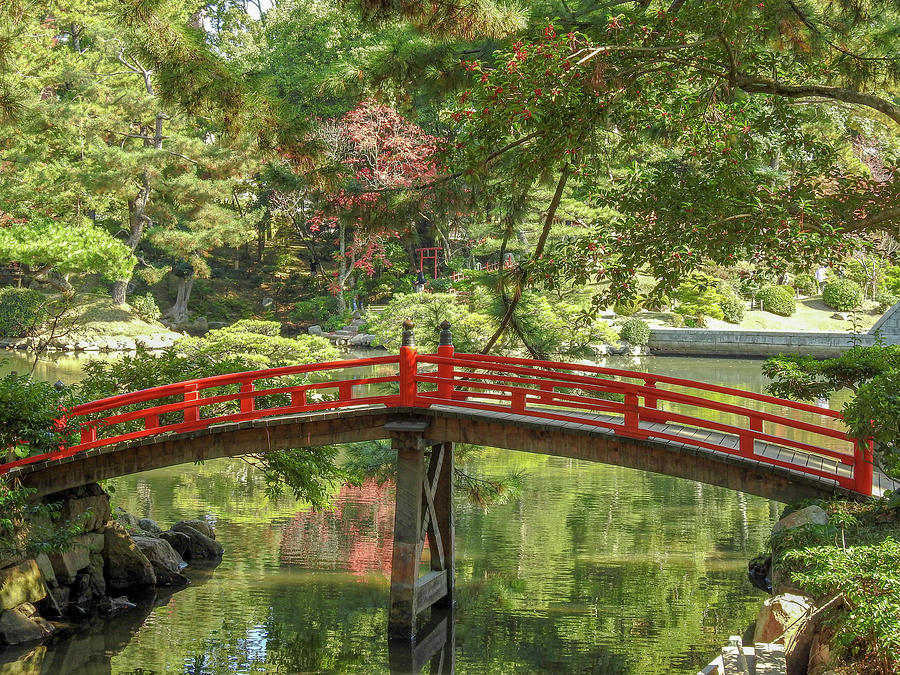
x=627 y=403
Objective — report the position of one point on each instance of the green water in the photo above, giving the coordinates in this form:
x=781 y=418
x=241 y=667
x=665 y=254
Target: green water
x=591 y=569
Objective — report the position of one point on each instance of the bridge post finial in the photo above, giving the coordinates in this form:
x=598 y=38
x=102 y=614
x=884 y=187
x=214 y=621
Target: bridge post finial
x=446 y=337
x=408 y=339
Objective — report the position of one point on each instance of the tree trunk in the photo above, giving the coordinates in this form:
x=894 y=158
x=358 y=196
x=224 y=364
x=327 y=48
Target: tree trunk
x=178 y=312
x=342 y=271
x=138 y=219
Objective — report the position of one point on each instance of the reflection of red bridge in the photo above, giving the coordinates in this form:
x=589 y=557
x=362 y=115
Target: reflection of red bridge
x=723 y=436
x=357 y=535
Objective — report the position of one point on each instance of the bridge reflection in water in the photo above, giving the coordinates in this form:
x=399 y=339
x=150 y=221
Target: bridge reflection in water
x=718 y=435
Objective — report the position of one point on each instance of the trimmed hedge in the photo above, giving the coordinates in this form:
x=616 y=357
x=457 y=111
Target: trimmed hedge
x=635 y=331
x=777 y=300
x=842 y=295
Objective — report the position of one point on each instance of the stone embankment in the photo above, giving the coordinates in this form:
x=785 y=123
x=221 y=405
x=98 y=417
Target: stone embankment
x=100 y=344
x=100 y=571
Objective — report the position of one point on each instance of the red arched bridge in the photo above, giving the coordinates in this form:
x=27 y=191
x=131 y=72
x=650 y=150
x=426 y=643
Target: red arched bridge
x=719 y=435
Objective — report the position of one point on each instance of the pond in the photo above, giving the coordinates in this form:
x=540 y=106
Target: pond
x=588 y=569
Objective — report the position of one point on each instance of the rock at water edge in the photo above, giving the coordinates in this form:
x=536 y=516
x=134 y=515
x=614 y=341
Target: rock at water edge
x=124 y=564
x=21 y=583
x=167 y=564
x=785 y=620
x=179 y=541
x=201 y=546
x=811 y=515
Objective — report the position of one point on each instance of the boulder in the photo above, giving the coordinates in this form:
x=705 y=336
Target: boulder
x=124 y=564
x=125 y=519
x=97 y=573
x=179 y=541
x=16 y=628
x=56 y=604
x=315 y=330
x=811 y=515
x=821 y=656
x=167 y=564
x=67 y=564
x=21 y=583
x=149 y=526
x=90 y=499
x=784 y=619
x=46 y=567
x=92 y=541
x=200 y=546
x=202 y=526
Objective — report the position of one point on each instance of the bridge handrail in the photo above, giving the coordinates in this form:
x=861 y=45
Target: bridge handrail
x=646 y=391
x=166 y=390
x=601 y=370
x=551 y=397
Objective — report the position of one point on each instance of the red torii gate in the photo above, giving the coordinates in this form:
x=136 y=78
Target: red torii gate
x=429 y=253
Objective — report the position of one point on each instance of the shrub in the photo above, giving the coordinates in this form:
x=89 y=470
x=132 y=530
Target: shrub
x=777 y=300
x=733 y=309
x=21 y=310
x=677 y=321
x=315 y=310
x=806 y=284
x=842 y=295
x=145 y=307
x=270 y=328
x=885 y=300
x=427 y=310
x=635 y=331
x=699 y=297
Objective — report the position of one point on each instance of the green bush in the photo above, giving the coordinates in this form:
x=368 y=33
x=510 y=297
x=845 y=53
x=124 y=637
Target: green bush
x=699 y=297
x=777 y=300
x=270 y=328
x=677 y=320
x=733 y=309
x=635 y=331
x=315 y=310
x=806 y=284
x=843 y=295
x=885 y=300
x=21 y=310
x=145 y=307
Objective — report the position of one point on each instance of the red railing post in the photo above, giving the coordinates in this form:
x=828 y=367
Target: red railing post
x=650 y=401
x=247 y=404
x=632 y=414
x=408 y=368
x=445 y=370
x=88 y=434
x=863 y=467
x=748 y=440
x=192 y=413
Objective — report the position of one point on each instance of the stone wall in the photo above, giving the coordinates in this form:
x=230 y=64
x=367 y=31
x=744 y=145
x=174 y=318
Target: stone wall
x=705 y=342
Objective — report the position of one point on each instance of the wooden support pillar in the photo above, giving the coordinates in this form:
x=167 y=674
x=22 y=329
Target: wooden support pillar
x=423 y=512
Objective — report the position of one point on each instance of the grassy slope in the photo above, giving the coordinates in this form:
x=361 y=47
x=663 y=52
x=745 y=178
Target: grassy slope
x=99 y=317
